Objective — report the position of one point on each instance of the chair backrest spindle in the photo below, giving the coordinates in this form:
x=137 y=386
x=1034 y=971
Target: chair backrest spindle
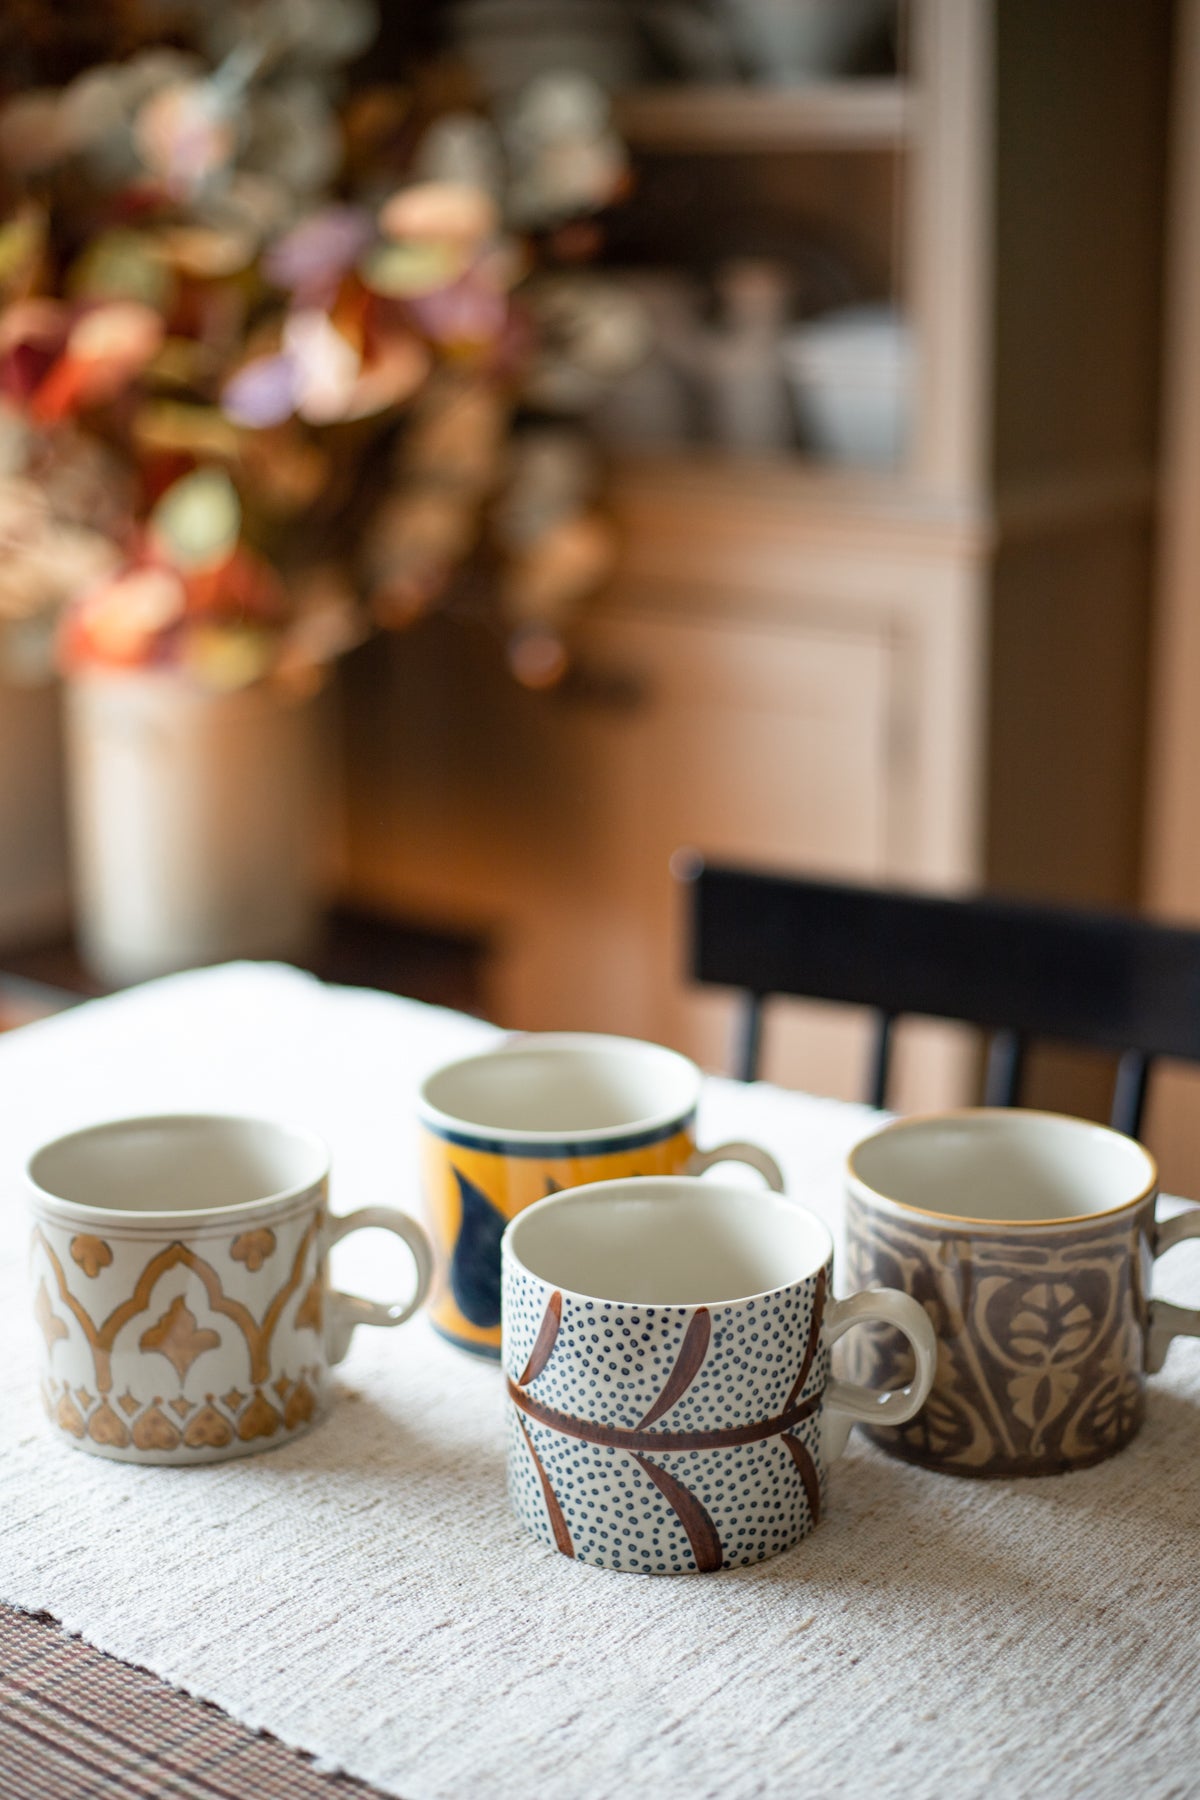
x=1129 y=1092
x=1019 y=970
x=1005 y=1066
x=881 y=1059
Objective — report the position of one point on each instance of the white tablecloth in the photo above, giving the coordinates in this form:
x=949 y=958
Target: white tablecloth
x=364 y=1594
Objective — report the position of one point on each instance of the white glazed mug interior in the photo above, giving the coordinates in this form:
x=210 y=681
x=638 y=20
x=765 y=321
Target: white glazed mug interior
x=668 y=1241
x=1000 y=1167
x=178 y=1164
x=555 y=1085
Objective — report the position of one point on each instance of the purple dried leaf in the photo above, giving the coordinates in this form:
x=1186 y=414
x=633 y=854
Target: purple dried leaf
x=262 y=393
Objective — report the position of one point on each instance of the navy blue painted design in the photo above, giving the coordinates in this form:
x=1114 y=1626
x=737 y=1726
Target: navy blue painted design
x=475 y=1265
x=593 y=1146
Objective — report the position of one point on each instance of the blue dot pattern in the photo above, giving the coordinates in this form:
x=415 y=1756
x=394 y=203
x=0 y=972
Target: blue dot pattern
x=609 y=1365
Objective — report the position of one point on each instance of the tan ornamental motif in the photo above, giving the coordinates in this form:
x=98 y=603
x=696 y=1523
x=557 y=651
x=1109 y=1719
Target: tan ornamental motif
x=301 y=1405
x=178 y=1337
x=68 y=1416
x=152 y=1430
x=212 y=1426
x=91 y=1253
x=182 y=1329
x=253 y=1248
x=309 y=1312
x=259 y=1419
x=52 y=1326
x=102 y=1336
x=1040 y=1338
x=107 y=1427
x=209 y=1430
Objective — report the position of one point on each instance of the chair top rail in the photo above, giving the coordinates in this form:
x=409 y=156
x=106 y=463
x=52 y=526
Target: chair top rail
x=1104 y=979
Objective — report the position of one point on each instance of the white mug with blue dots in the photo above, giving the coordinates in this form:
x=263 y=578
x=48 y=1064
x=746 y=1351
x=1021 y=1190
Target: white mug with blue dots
x=666 y=1344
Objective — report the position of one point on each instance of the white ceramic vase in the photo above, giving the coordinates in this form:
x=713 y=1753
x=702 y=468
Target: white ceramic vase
x=193 y=821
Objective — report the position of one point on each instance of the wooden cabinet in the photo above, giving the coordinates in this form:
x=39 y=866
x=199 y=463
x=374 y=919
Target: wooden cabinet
x=934 y=674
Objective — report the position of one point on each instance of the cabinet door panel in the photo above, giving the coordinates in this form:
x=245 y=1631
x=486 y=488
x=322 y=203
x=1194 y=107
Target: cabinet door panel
x=754 y=744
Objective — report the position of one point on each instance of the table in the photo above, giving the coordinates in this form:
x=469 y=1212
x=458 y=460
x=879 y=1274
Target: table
x=364 y=1595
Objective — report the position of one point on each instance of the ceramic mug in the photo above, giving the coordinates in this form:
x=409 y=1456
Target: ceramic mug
x=180 y=1285
x=1028 y=1238
x=666 y=1347
x=539 y=1113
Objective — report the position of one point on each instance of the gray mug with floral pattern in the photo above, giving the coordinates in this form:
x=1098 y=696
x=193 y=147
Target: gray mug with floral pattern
x=1029 y=1240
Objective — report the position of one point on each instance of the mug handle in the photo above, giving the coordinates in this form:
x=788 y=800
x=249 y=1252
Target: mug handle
x=750 y=1154
x=1168 y=1321
x=846 y=1403
x=348 y=1310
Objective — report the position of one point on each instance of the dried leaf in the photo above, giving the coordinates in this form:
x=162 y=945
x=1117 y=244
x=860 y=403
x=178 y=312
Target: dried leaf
x=446 y=212
x=196 y=523
x=263 y=392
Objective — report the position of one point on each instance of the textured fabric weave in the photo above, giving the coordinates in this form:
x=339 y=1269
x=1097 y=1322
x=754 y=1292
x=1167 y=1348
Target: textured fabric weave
x=365 y=1595
x=78 y=1726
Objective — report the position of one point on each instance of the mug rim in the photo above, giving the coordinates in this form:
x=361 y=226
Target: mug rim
x=688 y=1183
x=49 y=1201
x=864 y=1190
x=646 y=1128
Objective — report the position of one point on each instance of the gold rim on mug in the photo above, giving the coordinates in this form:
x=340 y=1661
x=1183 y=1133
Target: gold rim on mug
x=1092 y=1126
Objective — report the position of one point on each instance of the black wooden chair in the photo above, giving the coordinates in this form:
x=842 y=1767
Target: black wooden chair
x=1018 y=970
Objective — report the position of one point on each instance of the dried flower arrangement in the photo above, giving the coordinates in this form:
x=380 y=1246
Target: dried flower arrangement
x=282 y=354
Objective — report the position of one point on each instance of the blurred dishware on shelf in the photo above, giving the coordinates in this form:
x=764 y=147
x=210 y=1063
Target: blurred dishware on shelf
x=746 y=395
x=850 y=374
x=654 y=404
x=507 y=43
x=692 y=41
x=804 y=40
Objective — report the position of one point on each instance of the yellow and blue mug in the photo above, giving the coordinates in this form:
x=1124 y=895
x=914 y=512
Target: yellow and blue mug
x=539 y=1113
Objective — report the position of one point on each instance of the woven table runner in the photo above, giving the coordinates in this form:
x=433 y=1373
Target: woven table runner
x=75 y=1725
x=364 y=1595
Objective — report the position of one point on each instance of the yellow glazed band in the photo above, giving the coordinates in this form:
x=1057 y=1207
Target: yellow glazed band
x=473 y=1190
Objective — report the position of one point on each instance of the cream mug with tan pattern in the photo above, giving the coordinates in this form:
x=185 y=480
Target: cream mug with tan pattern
x=180 y=1285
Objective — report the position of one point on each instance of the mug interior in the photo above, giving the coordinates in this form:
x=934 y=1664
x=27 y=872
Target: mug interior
x=183 y=1164
x=668 y=1241
x=1004 y=1167
x=564 y=1085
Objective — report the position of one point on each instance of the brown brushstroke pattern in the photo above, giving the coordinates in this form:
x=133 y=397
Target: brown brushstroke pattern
x=702 y=1533
x=814 y=1338
x=620 y=1437
x=545 y=1341
x=558 y=1524
x=808 y=1474
x=688 y=1363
